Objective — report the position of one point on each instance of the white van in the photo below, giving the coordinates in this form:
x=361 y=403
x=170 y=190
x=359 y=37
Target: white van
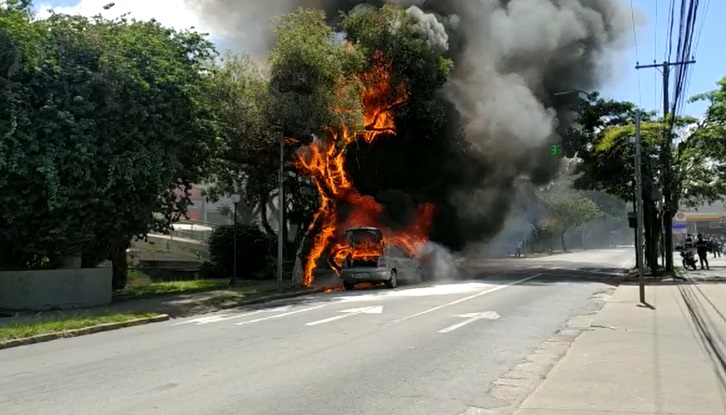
x=385 y=263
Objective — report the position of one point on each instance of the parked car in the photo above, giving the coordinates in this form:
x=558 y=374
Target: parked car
x=372 y=260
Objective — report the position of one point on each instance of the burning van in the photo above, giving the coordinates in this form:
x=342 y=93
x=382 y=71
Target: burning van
x=369 y=259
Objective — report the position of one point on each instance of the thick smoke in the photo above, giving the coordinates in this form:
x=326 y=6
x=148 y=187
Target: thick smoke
x=510 y=56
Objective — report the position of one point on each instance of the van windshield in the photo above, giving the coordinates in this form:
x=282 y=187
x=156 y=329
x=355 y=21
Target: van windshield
x=364 y=237
x=366 y=246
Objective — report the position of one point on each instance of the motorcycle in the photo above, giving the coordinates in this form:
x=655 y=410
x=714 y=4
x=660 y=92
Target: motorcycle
x=688 y=259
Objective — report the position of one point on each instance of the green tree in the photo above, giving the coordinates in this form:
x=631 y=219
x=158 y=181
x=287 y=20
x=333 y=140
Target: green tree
x=318 y=81
x=19 y=39
x=240 y=90
x=312 y=79
x=703 y=155
x=116 y=128
x=161 y=130
x=601 y=142
x=566 y=210
x=250 y=161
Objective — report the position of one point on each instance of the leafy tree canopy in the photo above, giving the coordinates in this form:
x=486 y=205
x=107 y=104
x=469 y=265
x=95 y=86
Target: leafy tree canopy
x=567 y=210
x=311 y=85
x=114 y=125
x=601 y=142
x=703 y=156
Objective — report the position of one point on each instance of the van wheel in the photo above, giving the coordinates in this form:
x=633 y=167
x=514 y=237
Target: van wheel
x=348 y=286
x=392 y=280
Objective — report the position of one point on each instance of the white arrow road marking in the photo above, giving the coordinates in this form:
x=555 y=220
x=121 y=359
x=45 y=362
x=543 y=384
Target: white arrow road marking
x=350 y=312
x=471 y=297
x=470 y=318
x=302 y=310
x=224 y=317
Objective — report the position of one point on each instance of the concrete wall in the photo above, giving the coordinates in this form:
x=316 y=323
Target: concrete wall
x=55 y=289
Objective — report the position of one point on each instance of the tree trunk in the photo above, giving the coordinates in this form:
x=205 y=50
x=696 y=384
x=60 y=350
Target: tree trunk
x=282 y=204
x=651 y=237
x=562 y=241
x=120 y=266
x=264 y=198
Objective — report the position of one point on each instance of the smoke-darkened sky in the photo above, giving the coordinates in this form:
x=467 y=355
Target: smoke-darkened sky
x=510 y=57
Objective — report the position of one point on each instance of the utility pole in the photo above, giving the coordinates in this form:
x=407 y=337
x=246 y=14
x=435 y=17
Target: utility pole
x=667 y=162
x=639 y=210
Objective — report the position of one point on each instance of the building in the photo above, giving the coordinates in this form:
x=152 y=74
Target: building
x=216 y=213
x=706 y=220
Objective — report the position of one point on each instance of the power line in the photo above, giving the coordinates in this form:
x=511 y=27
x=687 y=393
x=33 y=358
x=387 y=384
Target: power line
x=671 y=14
x=703 y=23
x=689 y=15
x=699 y=31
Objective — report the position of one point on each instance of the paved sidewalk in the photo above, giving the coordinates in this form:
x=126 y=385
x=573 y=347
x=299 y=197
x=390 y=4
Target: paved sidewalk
x=669 y=359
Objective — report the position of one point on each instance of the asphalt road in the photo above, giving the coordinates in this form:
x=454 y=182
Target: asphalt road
x=431 y=349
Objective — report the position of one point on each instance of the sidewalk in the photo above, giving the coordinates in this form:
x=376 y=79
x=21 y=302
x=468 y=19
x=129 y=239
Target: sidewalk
x=669 y=359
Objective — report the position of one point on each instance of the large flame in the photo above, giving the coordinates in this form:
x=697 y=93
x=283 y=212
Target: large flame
x=325 y=163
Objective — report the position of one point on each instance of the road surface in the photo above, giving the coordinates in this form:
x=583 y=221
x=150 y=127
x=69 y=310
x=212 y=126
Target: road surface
x=431 y=349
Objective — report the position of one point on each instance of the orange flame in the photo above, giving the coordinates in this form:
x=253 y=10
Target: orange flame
x=325 y=163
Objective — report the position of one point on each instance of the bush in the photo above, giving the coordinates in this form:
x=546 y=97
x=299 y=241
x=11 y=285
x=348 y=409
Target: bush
x=254 y=249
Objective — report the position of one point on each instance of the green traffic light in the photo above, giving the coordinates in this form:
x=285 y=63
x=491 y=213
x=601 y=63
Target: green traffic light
x=556 y=150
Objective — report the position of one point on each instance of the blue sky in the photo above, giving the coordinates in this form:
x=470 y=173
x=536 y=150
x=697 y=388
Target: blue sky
x=651 y=42
x=642 y=87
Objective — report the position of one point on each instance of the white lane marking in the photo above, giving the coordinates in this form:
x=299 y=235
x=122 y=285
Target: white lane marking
x=224 y=317
x=439 y=289
x=302 y=310
x=214 y=319
x=471 y=297
x=470 y=318
x=349 y=313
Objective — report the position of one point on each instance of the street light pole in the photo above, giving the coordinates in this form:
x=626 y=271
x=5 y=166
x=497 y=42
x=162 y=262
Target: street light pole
x=281 y=211
x=639 y=211
x=571 y=91
x=235 y=200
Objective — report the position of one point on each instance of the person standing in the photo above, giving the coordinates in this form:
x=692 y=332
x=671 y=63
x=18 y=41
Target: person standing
x=702 y=249
x=717 y=246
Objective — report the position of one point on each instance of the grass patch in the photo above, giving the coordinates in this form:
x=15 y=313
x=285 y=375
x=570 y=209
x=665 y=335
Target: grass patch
x=58 y=322
x=137 y=277
x=152 y=289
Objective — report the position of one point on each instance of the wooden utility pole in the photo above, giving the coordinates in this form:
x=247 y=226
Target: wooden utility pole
x=666 y=161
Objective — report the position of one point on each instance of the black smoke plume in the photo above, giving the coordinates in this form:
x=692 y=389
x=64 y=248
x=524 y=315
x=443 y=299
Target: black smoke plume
x=511 y=58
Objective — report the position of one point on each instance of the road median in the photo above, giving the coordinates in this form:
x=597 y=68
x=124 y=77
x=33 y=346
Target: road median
x=70 y=325
x=47 y=326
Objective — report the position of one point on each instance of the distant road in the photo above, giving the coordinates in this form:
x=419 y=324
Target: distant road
x=433 y=349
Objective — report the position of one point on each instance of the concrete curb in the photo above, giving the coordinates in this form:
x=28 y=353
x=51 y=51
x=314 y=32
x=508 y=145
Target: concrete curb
x=273 y=297
x=81 y=332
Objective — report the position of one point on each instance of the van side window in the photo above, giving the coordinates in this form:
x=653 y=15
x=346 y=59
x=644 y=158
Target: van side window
x=399 y=252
